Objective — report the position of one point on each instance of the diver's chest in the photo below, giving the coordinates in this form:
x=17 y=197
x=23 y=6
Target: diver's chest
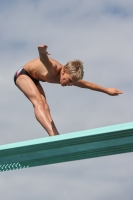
x=51 y=79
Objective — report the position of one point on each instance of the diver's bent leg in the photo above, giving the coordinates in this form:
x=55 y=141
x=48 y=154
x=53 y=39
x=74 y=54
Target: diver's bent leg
x=41 y=116
x=26 y=85
x=47 y=109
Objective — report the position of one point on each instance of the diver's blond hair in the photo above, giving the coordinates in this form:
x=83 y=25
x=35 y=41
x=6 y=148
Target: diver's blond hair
x=75 y=69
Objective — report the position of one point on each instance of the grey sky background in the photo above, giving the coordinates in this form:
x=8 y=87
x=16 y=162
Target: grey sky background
x=100 y=33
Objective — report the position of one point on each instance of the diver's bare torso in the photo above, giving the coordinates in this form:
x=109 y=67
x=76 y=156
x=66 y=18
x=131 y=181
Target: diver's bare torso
x=38 y=70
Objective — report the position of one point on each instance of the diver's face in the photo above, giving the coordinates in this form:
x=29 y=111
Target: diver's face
x=65 y=78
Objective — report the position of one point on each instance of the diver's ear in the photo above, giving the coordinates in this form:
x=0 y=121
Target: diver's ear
x=63 y=71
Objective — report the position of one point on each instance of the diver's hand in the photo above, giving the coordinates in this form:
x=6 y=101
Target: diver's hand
x=43 y=49
x=114 y=92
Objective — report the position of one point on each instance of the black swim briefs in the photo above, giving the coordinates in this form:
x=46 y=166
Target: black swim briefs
x=22 y=71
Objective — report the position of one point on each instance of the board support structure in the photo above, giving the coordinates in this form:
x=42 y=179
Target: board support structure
x=80 y=145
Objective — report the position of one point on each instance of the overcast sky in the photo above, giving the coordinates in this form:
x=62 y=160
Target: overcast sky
x=98 y=32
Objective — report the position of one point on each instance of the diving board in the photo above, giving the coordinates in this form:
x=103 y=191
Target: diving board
x=91 y=143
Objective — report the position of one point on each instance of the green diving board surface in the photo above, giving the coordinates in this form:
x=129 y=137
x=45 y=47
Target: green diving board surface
x=91 y=143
